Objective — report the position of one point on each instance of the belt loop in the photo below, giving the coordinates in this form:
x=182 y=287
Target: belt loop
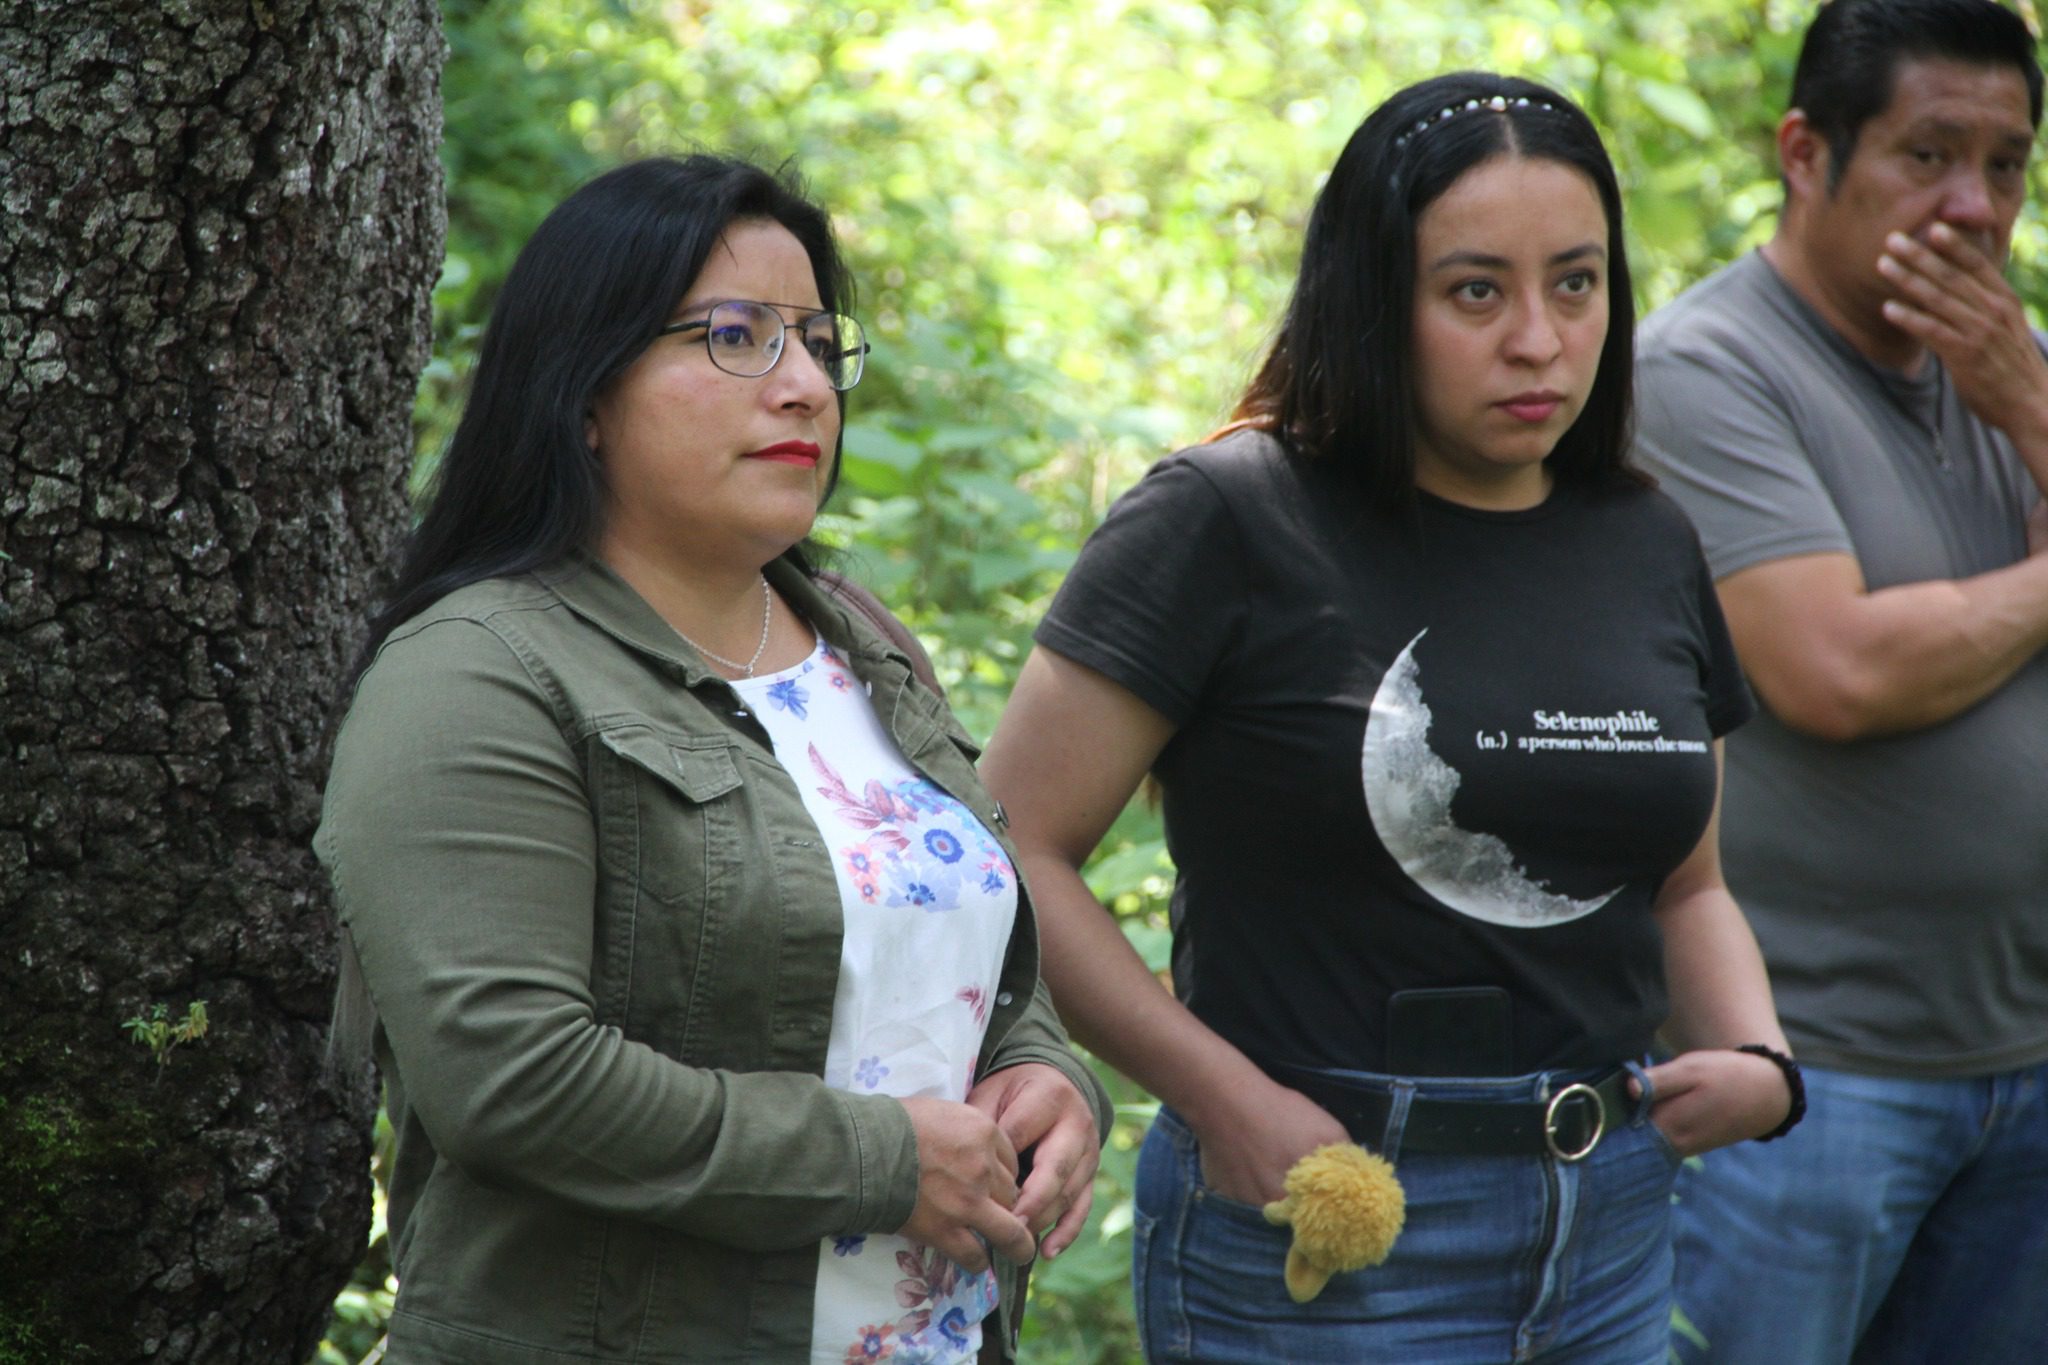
x=1649 y=1095
x=1400 y=1094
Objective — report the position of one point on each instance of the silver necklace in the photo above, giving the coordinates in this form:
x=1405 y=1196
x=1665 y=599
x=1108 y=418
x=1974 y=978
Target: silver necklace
x=746 y=670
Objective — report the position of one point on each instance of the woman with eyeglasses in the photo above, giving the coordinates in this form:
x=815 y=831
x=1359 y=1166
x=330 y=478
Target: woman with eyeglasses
x=1432 y=684
x=691 y=949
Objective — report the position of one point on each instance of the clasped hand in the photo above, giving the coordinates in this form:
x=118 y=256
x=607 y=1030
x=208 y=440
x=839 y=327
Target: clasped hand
x=969 y=1202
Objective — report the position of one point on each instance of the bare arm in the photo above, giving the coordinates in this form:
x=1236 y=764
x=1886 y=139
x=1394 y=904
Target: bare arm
x=1071 y=748
x=1720 y=994
x=1836 y=660
x=1841 y=662
x=1708 y=1096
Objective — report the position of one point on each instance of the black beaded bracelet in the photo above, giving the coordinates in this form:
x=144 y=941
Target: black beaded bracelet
x=1793 y=1082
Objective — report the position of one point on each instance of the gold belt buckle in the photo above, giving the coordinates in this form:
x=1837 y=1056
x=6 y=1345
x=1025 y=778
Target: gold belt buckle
x=1576 y=1090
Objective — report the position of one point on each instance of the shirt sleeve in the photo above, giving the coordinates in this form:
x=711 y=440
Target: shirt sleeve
x=1158 y=593
x=460 y=840
x=1720 y=444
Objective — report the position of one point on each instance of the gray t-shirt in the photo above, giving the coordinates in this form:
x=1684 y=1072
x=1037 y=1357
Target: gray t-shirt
x=1899 y=886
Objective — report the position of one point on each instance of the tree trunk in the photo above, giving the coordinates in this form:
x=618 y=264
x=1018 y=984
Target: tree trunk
x=220 y=223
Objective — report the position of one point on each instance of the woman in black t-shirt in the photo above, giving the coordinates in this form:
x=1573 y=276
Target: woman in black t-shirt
x=1433 y=685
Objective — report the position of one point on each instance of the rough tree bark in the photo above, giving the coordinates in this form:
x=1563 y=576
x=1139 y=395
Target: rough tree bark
x=220 y=222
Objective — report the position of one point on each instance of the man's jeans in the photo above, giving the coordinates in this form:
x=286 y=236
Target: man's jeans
x=1909 y=1216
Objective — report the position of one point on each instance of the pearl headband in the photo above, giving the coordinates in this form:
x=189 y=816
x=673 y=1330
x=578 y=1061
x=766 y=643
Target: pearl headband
x=1499 y=104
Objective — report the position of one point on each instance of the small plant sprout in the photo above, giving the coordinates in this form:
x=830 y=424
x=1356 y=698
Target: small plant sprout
x=156 y=1032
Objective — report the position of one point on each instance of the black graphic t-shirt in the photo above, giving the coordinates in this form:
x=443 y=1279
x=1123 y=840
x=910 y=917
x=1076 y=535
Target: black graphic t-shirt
x=1459 y=752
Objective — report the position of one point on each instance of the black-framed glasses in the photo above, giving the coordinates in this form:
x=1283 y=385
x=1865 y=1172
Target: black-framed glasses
x=746 y=338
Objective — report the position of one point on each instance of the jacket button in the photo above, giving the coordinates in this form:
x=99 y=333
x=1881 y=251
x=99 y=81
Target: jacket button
x=1003 y=997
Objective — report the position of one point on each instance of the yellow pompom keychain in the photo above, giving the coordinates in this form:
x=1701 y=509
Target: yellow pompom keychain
x=1346 y=1209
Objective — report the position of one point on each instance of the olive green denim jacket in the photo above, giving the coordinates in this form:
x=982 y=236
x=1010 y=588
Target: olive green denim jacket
x=601 y=934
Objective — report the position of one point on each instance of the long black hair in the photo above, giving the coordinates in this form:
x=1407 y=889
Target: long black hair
x=1338 y=383
x=519 y=486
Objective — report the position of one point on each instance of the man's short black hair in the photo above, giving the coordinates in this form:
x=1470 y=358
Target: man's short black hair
x=1852 y=51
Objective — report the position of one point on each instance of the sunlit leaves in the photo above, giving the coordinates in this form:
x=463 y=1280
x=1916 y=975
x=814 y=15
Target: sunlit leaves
x=1073 y=224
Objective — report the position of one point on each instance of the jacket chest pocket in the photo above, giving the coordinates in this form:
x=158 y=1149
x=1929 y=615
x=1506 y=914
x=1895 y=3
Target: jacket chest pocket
x=673 y=820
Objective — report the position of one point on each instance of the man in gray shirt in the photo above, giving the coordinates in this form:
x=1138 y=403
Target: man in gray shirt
x=1857 y=419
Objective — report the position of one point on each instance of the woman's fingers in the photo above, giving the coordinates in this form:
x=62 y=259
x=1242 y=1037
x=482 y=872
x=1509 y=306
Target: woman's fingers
x=1065 y=1162
x=989 y=1230
x=1713 y=1097
x=1041 y=1112
x=1668 y=1080
x=966 y=1185
x=1071 y=1220
x=1006 y=1235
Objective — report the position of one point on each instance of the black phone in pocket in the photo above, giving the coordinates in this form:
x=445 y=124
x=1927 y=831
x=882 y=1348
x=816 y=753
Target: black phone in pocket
x=1449 y=1031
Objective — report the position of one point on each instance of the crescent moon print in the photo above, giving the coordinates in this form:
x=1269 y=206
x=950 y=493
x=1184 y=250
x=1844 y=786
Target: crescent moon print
x=1408 y=791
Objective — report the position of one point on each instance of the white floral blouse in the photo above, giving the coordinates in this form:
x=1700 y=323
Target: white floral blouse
x=930 y=899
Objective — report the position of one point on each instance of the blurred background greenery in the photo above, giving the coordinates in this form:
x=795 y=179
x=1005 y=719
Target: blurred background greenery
x=1073 y=223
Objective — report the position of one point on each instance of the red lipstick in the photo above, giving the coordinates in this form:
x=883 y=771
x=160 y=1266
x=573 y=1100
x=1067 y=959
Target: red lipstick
x=787 y=452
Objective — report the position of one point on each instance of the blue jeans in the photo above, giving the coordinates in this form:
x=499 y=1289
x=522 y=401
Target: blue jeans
x=1903 y=1221
x=1506 y=1258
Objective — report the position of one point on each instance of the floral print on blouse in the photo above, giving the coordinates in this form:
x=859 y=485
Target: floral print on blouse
x=930 y=898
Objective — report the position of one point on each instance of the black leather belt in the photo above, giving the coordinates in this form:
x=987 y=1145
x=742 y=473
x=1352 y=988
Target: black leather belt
x=1568 y=1125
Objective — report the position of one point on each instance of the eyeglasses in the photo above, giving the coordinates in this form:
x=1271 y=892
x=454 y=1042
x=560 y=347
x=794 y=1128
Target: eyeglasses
x=746 y=338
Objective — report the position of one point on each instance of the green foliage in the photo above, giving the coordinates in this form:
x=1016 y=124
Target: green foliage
x=156 y=1032
x=363 y=1307
x=58 y=1162
x=1081 y=1302
x=1684 y=1326
x=1073 y=224
x=39 y=1139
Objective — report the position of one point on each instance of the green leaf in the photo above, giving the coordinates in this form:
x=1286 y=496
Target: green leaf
x=1126 y=870
x=873 y=476
x=993 y=569
x=950 y=438
x=1090 y=1265
x=1156 y=425
x=1678 y=105
x=1683 y=1325
x=875 y=444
